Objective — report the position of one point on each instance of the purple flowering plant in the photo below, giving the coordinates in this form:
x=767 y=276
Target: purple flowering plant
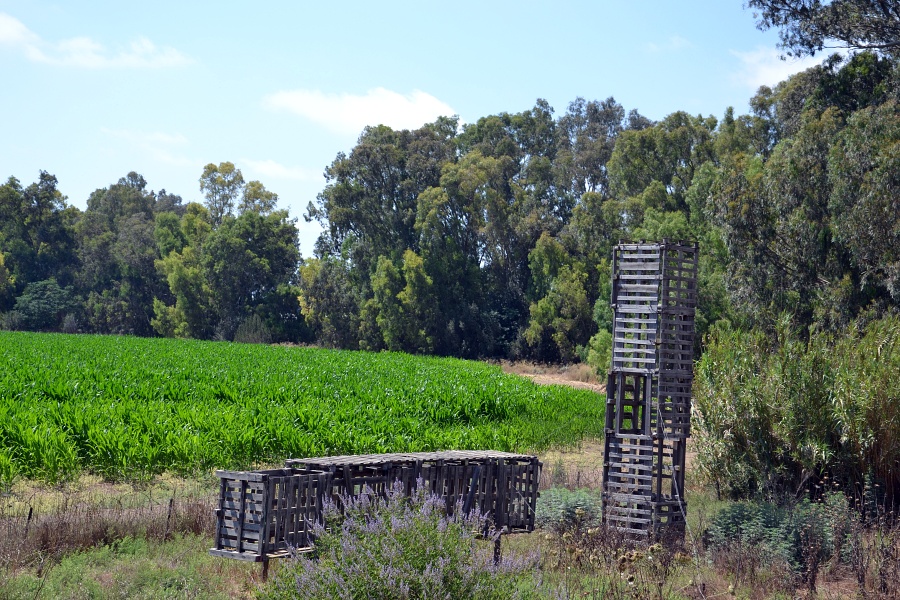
x=399 y=547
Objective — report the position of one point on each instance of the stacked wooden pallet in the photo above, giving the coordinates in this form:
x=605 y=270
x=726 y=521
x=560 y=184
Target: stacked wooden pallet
x=267 y=514
x=654 y=299
x=500 y=485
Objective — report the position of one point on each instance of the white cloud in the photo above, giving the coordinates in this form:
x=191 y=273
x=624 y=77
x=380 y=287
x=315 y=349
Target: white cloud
x=156 y=143
x=349 y=114
x=83 y=52
x=14 y=33
x=271 y=168
x=764 y=66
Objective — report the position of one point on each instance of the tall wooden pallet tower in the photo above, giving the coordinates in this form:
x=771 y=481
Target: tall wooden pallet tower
x=654 y=297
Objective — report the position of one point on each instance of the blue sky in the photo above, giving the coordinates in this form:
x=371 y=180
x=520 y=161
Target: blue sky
x=95 y=90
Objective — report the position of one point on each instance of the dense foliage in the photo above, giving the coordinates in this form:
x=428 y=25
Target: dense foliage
x=493 y=238
x=143 y=263
x=779 y=416
x=127 y=407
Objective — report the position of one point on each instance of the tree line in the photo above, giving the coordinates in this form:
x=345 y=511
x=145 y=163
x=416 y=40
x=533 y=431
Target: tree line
x=144 y=263
x=493 y=239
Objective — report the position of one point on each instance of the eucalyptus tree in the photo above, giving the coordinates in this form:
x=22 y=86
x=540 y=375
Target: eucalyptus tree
x=810 y=26
x=222 y=186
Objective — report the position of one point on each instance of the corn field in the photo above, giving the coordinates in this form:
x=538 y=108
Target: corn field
x=128 y=408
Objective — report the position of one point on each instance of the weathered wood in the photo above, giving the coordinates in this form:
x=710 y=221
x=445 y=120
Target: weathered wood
x=266 y=513
x=262 y=514
x=505 y=493
x=654 y=300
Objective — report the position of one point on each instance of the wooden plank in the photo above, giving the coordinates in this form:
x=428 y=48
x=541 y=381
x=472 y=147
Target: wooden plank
x=249 y=557
x=241 y=533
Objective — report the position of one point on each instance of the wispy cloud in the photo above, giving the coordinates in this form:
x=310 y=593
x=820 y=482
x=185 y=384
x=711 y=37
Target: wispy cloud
x=349 y=114
x=146 y=137
x=764 y=66
x=271 y=168
x=672 y=44
x=14 y=33
x=83 y=52
x=159 y=145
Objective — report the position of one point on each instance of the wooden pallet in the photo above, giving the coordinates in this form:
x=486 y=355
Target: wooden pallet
x=266 y=514
x=271 y=513
x=502 y=486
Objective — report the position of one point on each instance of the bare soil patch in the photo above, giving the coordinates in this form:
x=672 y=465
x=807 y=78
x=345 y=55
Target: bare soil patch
x=578 y=376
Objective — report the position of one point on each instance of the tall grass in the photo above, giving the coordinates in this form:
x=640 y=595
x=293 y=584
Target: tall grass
x=776 y=416
x=39 y=524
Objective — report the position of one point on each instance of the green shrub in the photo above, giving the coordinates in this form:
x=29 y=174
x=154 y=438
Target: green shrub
x=44 y=304
x=253 y=330
x=561 y=509
x=12 y=321
x=599 y=351
x=803 y=535
x=771 y=416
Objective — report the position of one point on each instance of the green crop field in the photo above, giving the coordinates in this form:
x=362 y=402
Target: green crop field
x=128 y=408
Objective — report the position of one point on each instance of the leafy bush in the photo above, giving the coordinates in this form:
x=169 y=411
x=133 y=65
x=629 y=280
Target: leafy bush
x=803 y=535
x=772 y=416
x=400 y=548
x=12 y=321
x=70 y=324
x=44 y=304
x=560 y=508
x=598 y=352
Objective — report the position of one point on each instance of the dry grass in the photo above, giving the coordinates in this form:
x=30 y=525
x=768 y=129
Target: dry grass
x=574 y=468
x=39 y=524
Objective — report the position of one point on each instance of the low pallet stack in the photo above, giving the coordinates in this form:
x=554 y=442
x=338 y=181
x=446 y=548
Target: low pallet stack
x=654 y=298
x=268 y=514
x=501 y=486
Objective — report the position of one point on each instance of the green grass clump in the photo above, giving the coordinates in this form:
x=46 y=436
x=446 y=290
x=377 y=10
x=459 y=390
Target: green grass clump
x=129 y=408
x=560 y=508
x=135 y=568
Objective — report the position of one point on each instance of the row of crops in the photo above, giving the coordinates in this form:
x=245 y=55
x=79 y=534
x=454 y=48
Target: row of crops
x=128 y=408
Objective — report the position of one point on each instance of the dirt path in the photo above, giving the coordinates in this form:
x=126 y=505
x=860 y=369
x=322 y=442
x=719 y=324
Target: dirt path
x=577 y=376
x=542 y=379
